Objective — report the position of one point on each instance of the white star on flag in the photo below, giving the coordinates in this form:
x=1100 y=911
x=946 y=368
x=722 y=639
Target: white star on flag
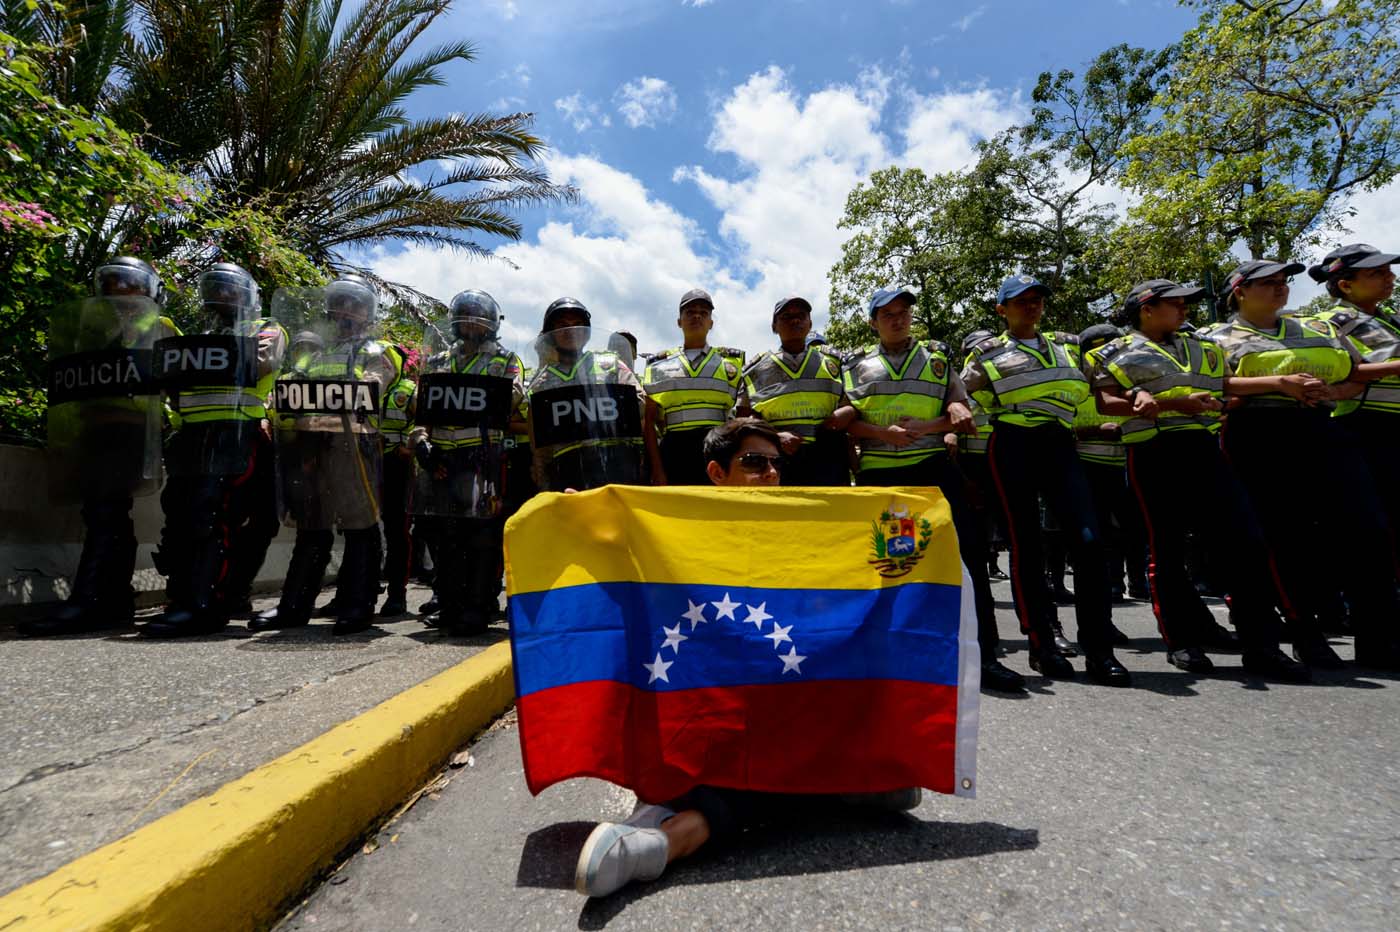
x=673 y=639
x=696 y=614
x=757 y=615
x=658 y=668
x=725 y=608
x=791 y=660
x=778 y=635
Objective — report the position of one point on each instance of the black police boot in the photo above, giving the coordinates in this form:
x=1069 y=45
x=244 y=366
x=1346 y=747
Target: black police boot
x=1116 y=637
x=1273 y=664
x=430 y=607
x=310 y=555
x=463 y=622
x=998 y=676
x=1314 y=651
x=395 y=603
x=101 y=598
x=1214 y=634
x=1063 y=645
x=1051 y=664
x=1190 y=659
x=359 y=582
x=1138 y=589
x=1104 y=668
x=198 y=610
x=1377 y=652
x=994 y=569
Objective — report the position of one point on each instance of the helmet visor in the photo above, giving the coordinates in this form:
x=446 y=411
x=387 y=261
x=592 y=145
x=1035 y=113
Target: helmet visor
x=126 y=280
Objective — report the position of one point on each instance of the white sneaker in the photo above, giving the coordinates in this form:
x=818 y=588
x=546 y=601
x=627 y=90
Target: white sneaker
x=617 y=854
x=648 y=816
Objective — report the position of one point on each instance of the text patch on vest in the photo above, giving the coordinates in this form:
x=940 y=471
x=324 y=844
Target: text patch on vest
x=306 y=396
x=115 y=373
x=206 y=359
x=457 y=399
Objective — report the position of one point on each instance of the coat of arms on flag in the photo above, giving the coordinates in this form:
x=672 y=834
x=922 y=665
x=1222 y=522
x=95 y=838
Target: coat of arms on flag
x=665 y=638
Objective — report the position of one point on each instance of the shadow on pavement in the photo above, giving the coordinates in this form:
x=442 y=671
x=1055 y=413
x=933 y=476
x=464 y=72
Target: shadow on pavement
x=848 y=839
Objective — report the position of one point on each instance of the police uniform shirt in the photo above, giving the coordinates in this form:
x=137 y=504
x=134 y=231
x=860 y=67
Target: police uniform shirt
x=794 y=363
x=1292 y=337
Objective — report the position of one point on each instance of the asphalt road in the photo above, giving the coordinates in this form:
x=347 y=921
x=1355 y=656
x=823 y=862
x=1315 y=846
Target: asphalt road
x=102 y=734
x=1184 y=802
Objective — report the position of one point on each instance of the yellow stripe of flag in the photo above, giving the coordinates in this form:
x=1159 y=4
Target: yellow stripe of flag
x=793 y=538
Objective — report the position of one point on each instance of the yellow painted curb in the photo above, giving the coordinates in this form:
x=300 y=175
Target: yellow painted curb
x=233 y=859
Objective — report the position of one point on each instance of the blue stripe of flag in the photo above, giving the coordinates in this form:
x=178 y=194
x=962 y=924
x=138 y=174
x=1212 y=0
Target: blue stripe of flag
x=609 y=631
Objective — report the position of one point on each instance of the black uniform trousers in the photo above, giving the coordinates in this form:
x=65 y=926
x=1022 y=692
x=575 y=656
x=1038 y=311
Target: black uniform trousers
x=1315 y=498
x=683 y=456
x=821 y=461
x=1027 y=462
x=939 y=470
x=1160 y=471
x=1377 y=436
x=398 y=536
x=1119 y=520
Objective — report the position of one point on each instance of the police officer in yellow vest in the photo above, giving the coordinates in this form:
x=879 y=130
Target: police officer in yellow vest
x=1290 y=373
x=219 y=501
x=329 y=456
x=394 y=427
x=470 y=391
x=797 y=389
x=904 y=394
x=104 y=429
x=1031 y=385
x=585 y=407
x=1361 y=279
x=1168 y=387
x=1100 y=446
x=690 y=390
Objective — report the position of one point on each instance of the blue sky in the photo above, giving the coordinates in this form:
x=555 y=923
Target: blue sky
x=713 y=143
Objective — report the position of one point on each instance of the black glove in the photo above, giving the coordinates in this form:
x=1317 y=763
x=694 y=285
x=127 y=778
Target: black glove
x=423 y=452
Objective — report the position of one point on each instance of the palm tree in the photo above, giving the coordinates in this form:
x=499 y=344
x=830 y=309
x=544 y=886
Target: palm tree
x=300 y=104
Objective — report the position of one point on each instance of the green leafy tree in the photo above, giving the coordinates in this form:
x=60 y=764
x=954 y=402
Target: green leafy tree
x=1274 y=113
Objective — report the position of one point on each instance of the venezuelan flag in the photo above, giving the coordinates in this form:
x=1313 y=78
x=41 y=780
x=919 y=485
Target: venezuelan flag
x=785 y=640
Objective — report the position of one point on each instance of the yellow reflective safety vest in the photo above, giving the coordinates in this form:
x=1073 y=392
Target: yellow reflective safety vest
x=1102 y=449
x=395 y=422
x=883 y=392
x=496 y=362
x=1025 y=385
x=794 y=395
x=978 y=442
x=201 y=404
x=591 y=368
x=1296 y=344
x=694 y=396
x=1376 y=338
x=1185 y=365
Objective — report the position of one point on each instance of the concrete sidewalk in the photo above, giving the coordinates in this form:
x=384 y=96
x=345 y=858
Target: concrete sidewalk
x=104 y=734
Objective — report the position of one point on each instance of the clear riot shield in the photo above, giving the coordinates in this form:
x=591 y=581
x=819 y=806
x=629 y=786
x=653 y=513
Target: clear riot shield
x=327 y=404
x=104 y=416
x=218 y=382
x=585 y=414
x=464 y=400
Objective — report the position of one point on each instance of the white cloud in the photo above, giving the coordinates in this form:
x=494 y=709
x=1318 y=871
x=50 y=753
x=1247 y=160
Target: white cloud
x=507 y=8
x=696 y=3
x=581 y=112
x=646 y=102
x=520 y=75
x=629 y=254
x=964 y=23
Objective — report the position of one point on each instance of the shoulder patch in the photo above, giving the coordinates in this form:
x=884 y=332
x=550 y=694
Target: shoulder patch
x=1108 y=350
x=988 y=345
x=664 y=354
x=731 y=370
x=1069 y=338
x=938 y=346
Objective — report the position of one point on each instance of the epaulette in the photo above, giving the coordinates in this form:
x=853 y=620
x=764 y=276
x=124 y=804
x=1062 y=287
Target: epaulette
x=729 y=352
x=1072 y=339
x=988 y=345
x=758 y=358
x=664 y=354
x=938 y=346
x=1108 y=350
x=1344 y=321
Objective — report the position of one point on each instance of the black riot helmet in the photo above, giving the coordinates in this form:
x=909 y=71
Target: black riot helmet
x=559 y=306
x=128 y=275
x=229 y=291
x=352 y=299
x=1097 y=335
x=476 y=307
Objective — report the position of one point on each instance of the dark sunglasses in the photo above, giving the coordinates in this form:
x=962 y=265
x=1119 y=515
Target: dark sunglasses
x=759 y=462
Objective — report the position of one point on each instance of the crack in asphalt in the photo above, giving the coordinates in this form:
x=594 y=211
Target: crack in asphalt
x=49 y=770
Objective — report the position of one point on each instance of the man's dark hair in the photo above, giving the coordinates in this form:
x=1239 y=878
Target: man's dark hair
x=724 y=441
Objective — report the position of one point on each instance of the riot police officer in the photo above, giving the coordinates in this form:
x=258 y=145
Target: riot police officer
x=394 y=428
x=797 y=389
x=470 y=388
x=219 y=517
x=906 y=394
x=585 y=419
x=329 y=452
x=689 y=390
x=1031 y=385
x=104 y=435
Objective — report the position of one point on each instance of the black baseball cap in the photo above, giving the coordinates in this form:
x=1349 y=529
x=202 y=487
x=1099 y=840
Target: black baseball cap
x=1155 y=288
x=790 y=299
x=1352 y=256
x=1261 y=268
